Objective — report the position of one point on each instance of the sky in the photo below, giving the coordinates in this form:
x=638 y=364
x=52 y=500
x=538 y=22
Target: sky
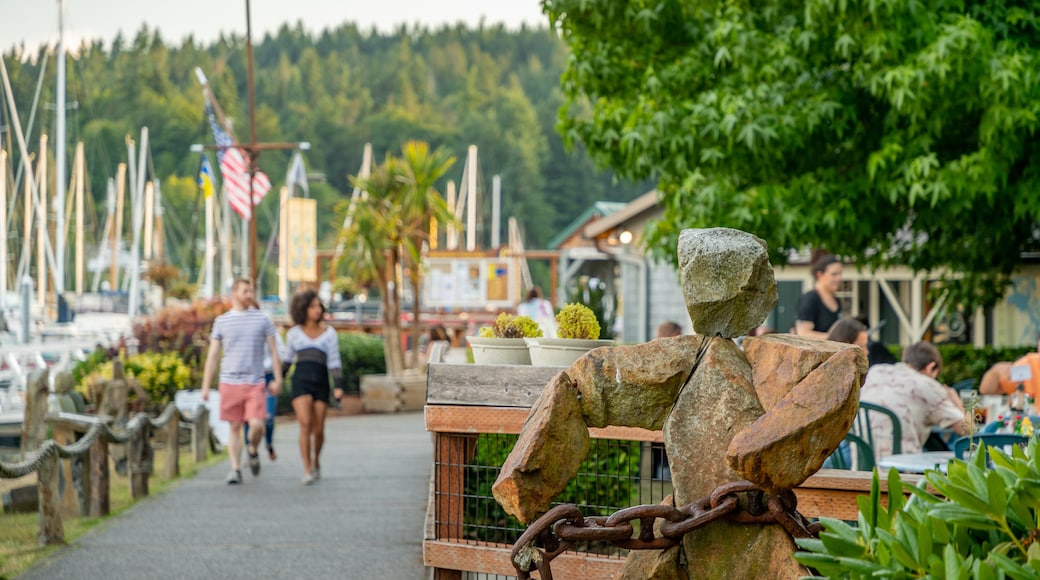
x=34 y=22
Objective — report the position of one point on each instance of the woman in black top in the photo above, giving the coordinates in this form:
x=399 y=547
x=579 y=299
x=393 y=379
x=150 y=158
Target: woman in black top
x=819 y=308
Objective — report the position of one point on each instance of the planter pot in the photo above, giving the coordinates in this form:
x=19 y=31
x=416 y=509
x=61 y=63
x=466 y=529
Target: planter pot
x=499 y=351
x=560 y=352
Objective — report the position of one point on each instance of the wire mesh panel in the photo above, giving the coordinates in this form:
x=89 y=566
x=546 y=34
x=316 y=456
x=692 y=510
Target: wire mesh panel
x=614 y=475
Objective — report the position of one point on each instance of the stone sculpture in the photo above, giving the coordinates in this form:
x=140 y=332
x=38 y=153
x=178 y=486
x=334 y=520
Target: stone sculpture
x=770 y=413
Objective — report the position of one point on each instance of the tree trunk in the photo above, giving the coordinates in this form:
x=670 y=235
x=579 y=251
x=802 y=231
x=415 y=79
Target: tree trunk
x=392 y=317
x=413 y=359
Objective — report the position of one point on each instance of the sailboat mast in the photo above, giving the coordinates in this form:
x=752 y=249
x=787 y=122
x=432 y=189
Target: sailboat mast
x=117 y=233
x=59 y=160
x=3 y=234
x=41 y=223
x=79 y=218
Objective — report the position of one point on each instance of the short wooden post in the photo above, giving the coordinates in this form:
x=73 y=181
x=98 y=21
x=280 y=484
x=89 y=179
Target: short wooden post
x=51 y=530
x=200 y=434
x=69 y=497
x=99 y=478
x=140 y=461
x=172 y=467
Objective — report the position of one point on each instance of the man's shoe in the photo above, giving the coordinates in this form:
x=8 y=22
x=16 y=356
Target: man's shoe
x=234 y=477
x=254 y=463
x=271 y=453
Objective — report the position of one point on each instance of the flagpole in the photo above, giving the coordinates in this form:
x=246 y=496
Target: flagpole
x=252 y=152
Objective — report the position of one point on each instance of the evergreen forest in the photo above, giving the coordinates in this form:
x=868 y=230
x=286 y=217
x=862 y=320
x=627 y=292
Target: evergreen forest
x=337 y=89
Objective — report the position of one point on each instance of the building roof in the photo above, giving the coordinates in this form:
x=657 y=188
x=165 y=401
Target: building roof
x=633 y=209
x=598 y=209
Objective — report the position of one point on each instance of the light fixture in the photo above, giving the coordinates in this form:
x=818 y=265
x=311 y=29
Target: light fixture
x=625 y=237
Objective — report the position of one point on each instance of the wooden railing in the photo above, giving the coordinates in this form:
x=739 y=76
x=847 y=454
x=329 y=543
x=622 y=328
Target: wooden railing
x=466 y=403
x=88 y=437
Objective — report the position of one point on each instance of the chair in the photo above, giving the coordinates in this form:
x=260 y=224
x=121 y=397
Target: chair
x=854 y=454
x=1002 y=440
x=861 y=425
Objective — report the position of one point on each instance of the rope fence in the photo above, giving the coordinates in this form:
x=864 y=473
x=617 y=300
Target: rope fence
x=53 y=461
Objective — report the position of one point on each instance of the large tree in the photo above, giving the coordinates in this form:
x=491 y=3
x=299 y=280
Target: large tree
x=887 y=131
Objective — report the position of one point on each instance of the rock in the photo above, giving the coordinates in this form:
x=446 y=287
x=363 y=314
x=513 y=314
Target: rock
x=653 y=565
x=635 y=385
x=718 y=403
x=552 y=445
x=791 y=442
x=726 y=279
x=779 y=361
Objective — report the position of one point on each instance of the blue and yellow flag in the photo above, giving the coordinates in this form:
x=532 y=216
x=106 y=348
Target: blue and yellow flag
x=206 y=177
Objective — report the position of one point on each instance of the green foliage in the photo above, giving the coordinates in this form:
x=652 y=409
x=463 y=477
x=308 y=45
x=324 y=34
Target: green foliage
x=86 y=367
x=337 y=89
x=892 y=133
x=509 y=326
x=608 y=480
x=961 y=361
x=983 y=524
x=576 y=320
x=161 y=375
x=362 y=354
x=604 y=306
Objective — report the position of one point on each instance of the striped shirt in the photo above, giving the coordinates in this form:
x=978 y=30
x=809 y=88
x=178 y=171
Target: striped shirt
x=243 y=336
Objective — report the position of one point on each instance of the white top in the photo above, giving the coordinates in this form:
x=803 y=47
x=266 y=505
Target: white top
x=296 y=341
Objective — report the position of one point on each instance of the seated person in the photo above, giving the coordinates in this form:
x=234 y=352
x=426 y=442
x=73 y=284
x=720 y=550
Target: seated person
x=911 y=391
x=849 y=331
x=997 y=380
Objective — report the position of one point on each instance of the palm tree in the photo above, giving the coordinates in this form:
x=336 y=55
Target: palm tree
x=421 y=203
x=389 y=229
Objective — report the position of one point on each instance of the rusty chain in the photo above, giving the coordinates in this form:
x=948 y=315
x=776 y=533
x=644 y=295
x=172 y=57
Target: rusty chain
x=562 y=526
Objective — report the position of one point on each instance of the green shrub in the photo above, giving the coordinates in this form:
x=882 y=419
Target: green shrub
x=577 y=321
x=962 y=361
x=362 y=354
x=508 y=326
x=593 y=293
x=161 y=375
x=984 y=525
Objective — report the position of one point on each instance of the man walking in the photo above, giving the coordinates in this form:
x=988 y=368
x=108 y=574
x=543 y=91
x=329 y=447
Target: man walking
x=238 y=340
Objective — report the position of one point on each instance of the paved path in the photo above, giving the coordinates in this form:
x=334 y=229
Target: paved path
x=363 y=519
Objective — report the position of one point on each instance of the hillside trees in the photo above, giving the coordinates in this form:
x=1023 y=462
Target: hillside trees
x=337 y=89
x=889 y=132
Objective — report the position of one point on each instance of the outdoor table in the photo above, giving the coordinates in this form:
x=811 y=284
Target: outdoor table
x=916 y=462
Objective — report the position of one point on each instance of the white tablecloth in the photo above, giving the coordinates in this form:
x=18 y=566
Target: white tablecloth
x=916 y=462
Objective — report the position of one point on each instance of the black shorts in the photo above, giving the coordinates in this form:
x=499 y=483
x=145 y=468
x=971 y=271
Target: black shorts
x=308 y=380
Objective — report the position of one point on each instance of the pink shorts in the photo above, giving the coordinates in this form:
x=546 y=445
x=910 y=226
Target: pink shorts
x=242 y=403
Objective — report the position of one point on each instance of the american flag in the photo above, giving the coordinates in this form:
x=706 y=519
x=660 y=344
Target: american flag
x=235 y=170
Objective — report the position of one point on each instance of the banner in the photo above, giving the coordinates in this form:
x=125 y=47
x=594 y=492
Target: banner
x=301 y=222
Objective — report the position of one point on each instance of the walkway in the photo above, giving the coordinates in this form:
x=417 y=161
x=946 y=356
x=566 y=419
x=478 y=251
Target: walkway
x=364 y=519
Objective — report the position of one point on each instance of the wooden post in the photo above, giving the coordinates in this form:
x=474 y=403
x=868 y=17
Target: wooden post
x=99 y=504
x=200 y=434
x=453 y=452
x=173 y=449
x=140 y=461
x=51 y=530
x=69 y=498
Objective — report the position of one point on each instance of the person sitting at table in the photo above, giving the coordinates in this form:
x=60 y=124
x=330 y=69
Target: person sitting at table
x=911 y=391
x=997 y=380
x=850 y=331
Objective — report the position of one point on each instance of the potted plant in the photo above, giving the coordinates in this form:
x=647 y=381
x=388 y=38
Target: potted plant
x=577 y=333
x=503 y=342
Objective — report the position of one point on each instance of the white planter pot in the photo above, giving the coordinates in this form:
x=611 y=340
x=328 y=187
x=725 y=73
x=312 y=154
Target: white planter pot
x=499 y=351
x=560 y=352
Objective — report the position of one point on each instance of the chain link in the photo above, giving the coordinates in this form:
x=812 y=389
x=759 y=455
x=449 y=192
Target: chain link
x=558 y=529
x=81 y=447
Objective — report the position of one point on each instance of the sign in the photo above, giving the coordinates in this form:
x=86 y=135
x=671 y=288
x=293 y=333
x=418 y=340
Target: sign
x=470 y=283
x=301 y=222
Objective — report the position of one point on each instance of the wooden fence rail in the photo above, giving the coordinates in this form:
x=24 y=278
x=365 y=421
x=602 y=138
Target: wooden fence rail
x=470 y=404
x=87 y=437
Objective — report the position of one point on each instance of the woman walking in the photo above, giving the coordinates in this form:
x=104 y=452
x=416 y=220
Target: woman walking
x=313 y=349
